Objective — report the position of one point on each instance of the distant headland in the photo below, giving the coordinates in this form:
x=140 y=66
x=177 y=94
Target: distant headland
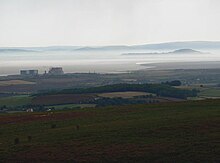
x=179 y=51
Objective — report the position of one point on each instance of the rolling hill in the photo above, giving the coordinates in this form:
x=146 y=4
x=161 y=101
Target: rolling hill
x=179 y=51
x=159 y=46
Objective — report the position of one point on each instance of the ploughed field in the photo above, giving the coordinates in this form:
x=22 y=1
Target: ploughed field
x=128 y=94
x=15 y=82
x=164 y=132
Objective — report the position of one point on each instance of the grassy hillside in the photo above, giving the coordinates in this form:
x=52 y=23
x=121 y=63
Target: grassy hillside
x=168 y=132
x=15 y=100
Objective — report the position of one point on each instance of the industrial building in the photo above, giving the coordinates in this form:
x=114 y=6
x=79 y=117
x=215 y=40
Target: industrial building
x=56 y=71
x=28 y=72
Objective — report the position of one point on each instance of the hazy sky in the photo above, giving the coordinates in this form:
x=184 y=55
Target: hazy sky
x=107 y=22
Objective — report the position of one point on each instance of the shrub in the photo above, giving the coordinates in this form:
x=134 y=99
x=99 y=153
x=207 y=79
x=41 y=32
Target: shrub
x=53 y=126
x=16 y=141
x=29 y=138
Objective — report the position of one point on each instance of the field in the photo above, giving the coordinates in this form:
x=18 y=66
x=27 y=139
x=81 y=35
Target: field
x=211 y=92
x=190 y=87
x=123 y=94
x=206 y=90
x=166 y=132
x=15 y=82
x=71 y=106
x=62 y=99
x=54 y=100
x=15 y=100
x=80 y=80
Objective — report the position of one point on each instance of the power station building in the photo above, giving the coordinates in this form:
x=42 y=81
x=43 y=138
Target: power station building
x=28 y=72
x=56 y=71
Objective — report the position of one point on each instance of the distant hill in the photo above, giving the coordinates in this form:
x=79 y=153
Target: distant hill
x=179 y=51
x=181 y=45
x=201 y=45
x=55 y=48
x=187 y=45
x=183 y=51
x=103 y=48
x=11 y=50
x=39 y=49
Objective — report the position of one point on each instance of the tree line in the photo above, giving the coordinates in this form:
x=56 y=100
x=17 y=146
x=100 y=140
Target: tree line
x=159 y=89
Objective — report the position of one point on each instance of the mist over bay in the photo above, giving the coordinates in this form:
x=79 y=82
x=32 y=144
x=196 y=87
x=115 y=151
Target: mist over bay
x=106 y=59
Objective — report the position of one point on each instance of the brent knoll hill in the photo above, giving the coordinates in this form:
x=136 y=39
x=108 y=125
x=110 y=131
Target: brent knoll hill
x=186 y=51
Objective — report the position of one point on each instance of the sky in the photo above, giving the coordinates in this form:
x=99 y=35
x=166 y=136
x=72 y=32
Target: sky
x=107 y=22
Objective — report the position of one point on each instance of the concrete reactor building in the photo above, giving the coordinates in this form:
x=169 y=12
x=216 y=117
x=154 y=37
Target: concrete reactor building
x=56 y=71
x=28 y=72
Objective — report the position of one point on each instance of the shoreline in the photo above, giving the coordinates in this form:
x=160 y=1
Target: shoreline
x=182 y=65
x=140 y=66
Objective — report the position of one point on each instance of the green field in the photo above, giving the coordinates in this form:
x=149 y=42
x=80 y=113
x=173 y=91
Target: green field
x=70 y=106
x=206 y=91
x=166 y=132
x=15 y=101
x=210 y=92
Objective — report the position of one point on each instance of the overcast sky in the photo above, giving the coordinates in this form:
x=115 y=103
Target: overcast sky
x=107 y=22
